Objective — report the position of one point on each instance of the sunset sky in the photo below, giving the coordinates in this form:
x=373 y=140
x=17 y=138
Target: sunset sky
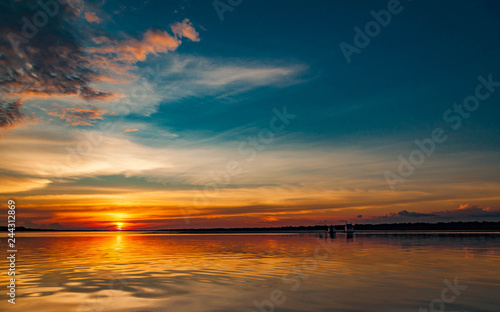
x=178 y=114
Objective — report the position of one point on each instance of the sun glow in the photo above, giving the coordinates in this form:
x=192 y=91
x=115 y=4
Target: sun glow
x=119 y=226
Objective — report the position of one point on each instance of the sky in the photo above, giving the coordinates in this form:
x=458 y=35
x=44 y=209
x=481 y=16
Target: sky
x=236 y=113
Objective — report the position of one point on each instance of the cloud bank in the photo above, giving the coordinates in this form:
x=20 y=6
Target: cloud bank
x=61 y=58
x=465 y=212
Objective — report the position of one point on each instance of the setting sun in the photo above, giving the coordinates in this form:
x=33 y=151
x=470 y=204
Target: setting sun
x=119 y=226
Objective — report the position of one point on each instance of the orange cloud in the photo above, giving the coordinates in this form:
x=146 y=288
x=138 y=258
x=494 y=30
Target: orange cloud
x=79 y=116
x=466 y=206
x=154 y=41
x=91 y=17
x=12 y=184
x=131 y=130
x=133 y=50
x=185 y=29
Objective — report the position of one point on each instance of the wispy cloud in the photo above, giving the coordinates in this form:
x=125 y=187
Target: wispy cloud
x=177 y=78
x=196 y=76
x=287 y=184
x=14 y=184
x=78 y=115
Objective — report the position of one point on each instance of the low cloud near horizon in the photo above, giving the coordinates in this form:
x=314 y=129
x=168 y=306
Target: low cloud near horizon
x=466 y=212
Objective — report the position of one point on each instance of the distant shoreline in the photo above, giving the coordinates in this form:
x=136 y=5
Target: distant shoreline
x=361 y=228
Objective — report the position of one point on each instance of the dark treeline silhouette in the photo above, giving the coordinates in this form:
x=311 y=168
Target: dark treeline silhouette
x=282 y=229
x=23 y=229
x=421 y=226
x=441 y=226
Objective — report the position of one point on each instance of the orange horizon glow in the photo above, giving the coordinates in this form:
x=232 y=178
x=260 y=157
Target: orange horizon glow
x=233 y=208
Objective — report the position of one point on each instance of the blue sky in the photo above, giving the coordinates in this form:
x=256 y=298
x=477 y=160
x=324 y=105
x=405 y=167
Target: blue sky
x=214 y=86
x=399 y=85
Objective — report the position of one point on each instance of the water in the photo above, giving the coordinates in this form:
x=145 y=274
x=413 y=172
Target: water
x=127 y=271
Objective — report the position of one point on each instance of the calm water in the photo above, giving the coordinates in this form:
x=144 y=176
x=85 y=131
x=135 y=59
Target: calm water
x=292 y=272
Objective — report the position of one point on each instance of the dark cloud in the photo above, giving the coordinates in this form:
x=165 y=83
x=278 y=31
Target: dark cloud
x=469 y=211
x=53 y=226
x=42 y=53
x=359 y=216
x=466 y=212
x=11 y=116
x=405 y=213
x=49 y=49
